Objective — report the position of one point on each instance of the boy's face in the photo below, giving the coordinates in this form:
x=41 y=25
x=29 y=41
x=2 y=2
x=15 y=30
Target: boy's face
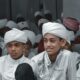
x=15 y=49
x=27 y=48
x=52 y=44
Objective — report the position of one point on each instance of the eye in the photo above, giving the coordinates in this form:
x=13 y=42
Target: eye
x=45 y=40
x=9 y=45
x=52 y=40
x=17 y=44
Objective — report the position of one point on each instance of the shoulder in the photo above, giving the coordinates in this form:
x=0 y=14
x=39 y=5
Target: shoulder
x=26 y=60
x=71 y=55
x=2 y=58
x=38 y=57
x=67 y=52
x=74 y=55
x=2 y=62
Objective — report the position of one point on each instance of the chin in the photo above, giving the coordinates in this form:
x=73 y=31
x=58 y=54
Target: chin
x=51 y=53
x=15 y=58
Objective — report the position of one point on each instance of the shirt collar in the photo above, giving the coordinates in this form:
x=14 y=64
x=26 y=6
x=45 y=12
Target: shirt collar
x=47 y=60
x=15 y=61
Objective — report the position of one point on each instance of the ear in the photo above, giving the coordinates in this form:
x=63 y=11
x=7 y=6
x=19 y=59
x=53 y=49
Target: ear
x=24 y=46
x=63 y=43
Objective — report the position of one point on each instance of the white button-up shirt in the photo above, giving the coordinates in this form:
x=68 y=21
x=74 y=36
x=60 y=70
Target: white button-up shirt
x=62 y=69
x=8 y=66
x=78 y=68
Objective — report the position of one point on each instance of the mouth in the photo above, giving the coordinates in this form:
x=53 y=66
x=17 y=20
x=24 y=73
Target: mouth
x=13 y=54
x=49 y=49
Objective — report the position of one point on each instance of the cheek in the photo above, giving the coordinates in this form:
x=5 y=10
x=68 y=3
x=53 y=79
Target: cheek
x=22 y=49
x=56 y=46
x=50 y=45
x=9 y=49
x=44 y=44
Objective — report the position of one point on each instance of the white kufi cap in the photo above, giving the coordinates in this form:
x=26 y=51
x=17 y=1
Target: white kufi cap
x=3 y=22
x=71 y=35
x=38 y=38
x=23 y=24
x=15 y=35
x=56 y=29
x=42 y=21
x=11 y=24
x=30 y=35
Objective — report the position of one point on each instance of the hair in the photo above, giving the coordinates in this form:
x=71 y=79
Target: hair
x=4 y=30
x=24 y=72
x=20 y=19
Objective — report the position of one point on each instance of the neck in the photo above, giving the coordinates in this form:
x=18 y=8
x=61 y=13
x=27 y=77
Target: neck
x=18 y=57
x=53 y=57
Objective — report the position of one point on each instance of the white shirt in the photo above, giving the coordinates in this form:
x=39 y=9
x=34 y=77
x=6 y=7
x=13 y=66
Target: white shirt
x=78 y=68
x=9 y=65
x=32 y=53
x=2 y=45
x=61 y=69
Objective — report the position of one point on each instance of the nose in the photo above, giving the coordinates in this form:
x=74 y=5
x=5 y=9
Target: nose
x=13 y=47
x=48 y=43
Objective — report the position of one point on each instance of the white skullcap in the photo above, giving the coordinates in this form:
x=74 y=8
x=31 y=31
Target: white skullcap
x=11 y=24
x=56 y=29
x=77 y=34
x=38 y=38
x=3 y=22
x=23 y=24
x=71 y=35
x=30 y=35
x=15 y=35
x=38 y=13
x=42 y=21
x=47 y=12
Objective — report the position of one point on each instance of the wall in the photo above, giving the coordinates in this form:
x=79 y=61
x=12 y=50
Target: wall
x=4 y=9
x=11 y=8
x=71 y=8
x=24 y=7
